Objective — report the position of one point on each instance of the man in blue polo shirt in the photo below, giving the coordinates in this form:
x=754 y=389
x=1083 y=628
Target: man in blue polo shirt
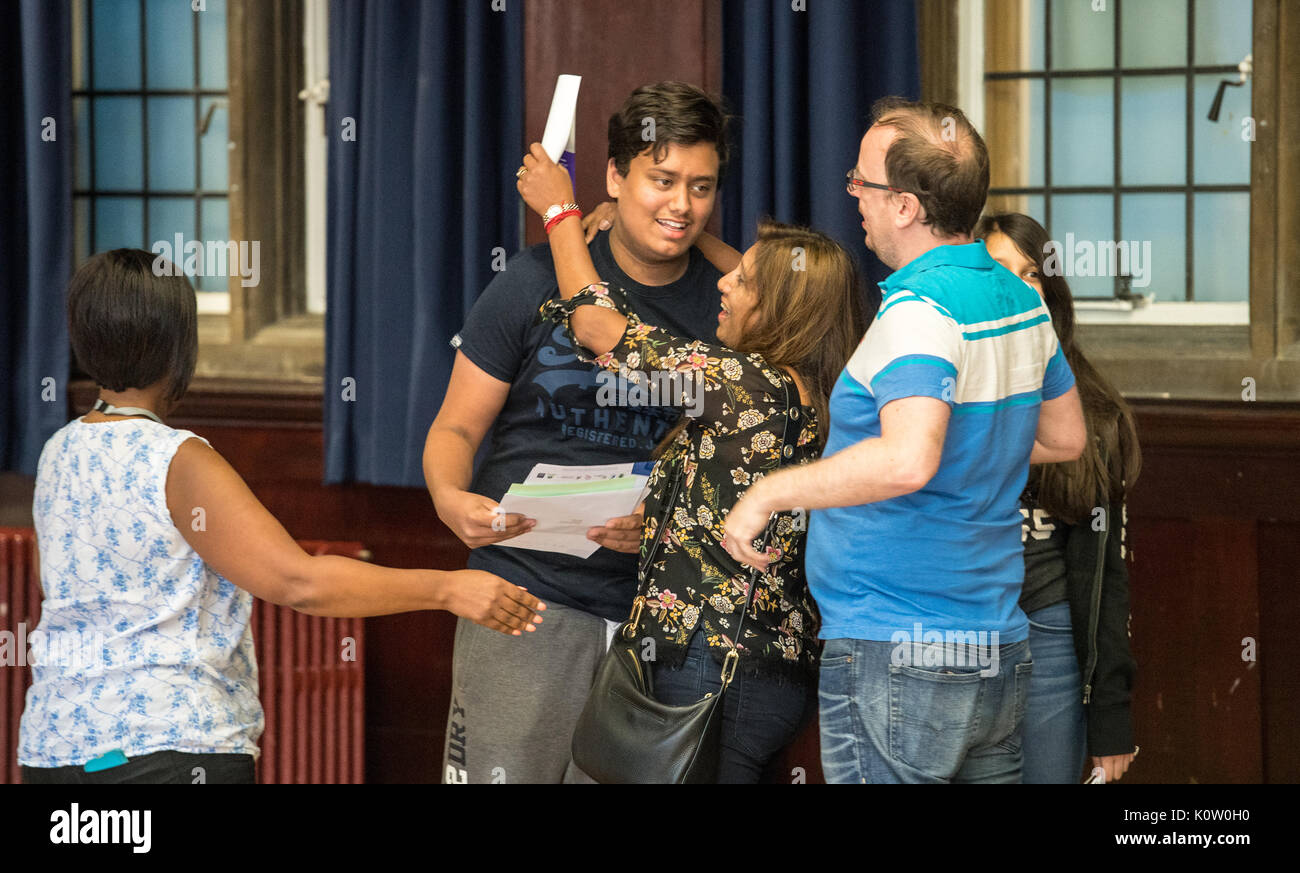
x=914 y=556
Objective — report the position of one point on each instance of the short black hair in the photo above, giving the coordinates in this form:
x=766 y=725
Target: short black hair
x=133 y=321
x=683 y=115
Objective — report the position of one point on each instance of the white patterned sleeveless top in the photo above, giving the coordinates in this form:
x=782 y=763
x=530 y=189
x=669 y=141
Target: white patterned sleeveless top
x=141 y=646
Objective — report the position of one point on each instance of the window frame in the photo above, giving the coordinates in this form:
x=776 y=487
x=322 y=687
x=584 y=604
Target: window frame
x=1133 y=308
x=267 y=196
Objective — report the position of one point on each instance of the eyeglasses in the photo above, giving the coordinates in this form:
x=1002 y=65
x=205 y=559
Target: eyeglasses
x=853 y=180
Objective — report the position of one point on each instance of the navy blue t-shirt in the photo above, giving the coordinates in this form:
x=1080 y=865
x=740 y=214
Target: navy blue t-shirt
x=551 y=415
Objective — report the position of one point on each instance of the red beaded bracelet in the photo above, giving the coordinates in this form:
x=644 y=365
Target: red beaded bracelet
x=561 y=216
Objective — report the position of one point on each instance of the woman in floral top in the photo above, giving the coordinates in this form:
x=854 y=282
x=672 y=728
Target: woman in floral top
x=792 y=315
x=693 y=583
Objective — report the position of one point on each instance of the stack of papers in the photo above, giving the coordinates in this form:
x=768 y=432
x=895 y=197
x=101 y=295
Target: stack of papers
x=569 y=501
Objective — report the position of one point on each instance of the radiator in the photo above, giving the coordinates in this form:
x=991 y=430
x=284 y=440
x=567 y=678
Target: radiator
x=310 y=672
x=20 y=604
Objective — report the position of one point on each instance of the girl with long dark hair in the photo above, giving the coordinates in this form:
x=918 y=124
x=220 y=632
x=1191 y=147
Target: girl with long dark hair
x=1076 y=581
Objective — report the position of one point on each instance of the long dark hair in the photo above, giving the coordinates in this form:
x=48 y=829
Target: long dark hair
x=810 y=313
x=1111 y=463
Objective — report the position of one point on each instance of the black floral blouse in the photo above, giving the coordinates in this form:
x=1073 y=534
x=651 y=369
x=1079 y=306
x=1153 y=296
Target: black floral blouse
x=693 y=584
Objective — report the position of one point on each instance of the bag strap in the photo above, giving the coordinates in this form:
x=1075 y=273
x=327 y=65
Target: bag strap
x=784 y=451
x=659 y=531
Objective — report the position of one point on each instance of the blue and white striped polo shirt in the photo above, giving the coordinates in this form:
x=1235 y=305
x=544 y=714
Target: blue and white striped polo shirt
x=956 y=326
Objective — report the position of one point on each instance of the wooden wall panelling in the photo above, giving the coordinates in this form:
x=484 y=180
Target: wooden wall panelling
x=615 y=47
x=1196 y=704
x=1279 y=614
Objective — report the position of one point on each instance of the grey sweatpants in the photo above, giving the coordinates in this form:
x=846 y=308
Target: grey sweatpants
x=516 y=700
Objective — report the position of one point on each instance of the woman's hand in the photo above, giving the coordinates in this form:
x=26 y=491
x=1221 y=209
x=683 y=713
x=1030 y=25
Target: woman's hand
x=601 y=218
x=493 y=602
x=546 y=183
x=1114 y=766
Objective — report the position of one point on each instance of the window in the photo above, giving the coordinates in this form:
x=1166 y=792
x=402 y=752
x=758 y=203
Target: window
x=1103 y=106
x=150 y=112
x=191 y=141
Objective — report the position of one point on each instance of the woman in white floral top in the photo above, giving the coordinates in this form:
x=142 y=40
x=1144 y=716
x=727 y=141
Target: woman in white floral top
x=791 y=316
x=152 y=548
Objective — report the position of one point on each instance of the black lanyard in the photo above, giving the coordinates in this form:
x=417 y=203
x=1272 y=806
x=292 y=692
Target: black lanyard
x=109 y=409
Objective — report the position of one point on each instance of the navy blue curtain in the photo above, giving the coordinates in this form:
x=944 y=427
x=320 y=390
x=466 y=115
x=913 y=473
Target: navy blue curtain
x=802 y=84
x=426 y=128
x=36 y=231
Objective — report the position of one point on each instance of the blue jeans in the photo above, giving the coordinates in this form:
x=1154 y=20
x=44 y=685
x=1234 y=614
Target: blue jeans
x=760 y=714
x=1055 y=724
x=883 y=721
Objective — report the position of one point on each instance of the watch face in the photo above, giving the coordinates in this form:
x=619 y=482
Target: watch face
x=551 y=212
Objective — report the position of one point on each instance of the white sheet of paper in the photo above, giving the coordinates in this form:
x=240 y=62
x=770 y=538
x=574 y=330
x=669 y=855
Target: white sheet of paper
x=563 y=521
x=560 y=131
x=542 y=473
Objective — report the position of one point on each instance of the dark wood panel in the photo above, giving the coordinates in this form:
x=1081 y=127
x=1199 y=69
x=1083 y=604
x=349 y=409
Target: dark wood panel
x=1218 y=459
x=406 y=711
x=1196 y=704
x=937 y=32
x=615 y=47
x=1231 y=427
x=228 y=402
x=16 y=491
x=1189 y=483
x=1279 y=648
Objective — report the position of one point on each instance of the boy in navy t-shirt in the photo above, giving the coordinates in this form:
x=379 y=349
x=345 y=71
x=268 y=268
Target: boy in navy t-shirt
x=514 y=706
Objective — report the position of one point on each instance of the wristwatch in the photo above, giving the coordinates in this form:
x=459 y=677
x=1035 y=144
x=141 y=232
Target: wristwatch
x=552 y=211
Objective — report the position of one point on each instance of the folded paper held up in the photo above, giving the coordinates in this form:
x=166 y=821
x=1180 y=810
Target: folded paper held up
x=559 y=140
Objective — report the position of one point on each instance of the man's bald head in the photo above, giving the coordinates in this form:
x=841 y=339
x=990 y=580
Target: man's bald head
x=937 y=155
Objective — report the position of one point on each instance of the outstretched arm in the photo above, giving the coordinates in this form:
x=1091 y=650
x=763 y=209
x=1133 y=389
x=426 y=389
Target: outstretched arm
x=718 y=253
x=243 y=542
x=900 y=461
